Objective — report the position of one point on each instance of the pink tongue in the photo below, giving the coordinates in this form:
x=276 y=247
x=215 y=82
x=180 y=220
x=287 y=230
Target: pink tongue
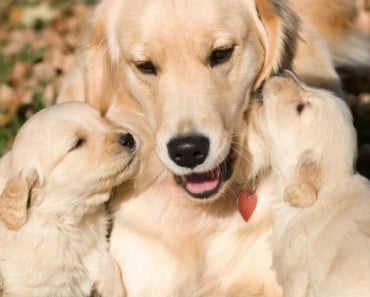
x=201 y=183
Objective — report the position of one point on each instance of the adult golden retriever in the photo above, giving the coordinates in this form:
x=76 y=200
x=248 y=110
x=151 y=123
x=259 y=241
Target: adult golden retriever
x=321 y=250
x=190 y=67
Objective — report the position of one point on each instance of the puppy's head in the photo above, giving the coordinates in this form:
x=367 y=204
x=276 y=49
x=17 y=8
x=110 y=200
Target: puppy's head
x=306 y=129
x=191 y=66
x=64 y=154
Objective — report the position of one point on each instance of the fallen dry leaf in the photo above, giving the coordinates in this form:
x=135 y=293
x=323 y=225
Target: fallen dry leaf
x=41 y=12
x=9 y=103
x=20 y=73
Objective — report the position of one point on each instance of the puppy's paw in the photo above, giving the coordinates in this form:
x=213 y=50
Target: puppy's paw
x=300 y=195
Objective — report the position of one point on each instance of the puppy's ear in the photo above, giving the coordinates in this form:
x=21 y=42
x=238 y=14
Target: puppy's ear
x=278 y=26
x=14 y=200
x=303 y=191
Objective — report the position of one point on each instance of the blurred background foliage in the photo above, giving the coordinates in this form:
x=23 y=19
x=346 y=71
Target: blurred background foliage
x=37 y=43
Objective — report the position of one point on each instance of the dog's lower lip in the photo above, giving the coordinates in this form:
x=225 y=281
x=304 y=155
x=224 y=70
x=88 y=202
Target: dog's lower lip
x=206 y=184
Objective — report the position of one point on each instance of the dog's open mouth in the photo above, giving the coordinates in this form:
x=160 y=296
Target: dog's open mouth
x=206 y=184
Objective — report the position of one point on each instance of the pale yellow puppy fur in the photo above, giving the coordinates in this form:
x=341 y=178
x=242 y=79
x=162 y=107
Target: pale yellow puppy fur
x=53 y=186
x=310 y=143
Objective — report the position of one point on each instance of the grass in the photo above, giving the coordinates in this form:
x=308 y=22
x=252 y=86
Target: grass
x=7 y=63
x=31 y=55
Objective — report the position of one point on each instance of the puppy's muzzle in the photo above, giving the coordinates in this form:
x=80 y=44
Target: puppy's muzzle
x=188 y=150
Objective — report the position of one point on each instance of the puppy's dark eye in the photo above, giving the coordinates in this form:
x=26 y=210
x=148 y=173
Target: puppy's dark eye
x=300 y=108
x=221 y=55
x=146 y=68
x=78 y=143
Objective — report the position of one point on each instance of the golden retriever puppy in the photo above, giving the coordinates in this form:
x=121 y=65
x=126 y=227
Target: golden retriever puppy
x=310 y=144
x=53 y=186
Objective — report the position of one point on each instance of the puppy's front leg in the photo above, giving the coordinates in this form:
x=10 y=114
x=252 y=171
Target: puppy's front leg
x=109 y=282
x=104 y=273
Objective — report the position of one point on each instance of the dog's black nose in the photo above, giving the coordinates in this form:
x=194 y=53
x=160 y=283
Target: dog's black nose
x=127 y=140
x=188 y=151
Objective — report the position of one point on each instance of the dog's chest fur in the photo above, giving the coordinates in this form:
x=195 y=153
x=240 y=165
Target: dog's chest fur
x=175 y=248
x=49 y=257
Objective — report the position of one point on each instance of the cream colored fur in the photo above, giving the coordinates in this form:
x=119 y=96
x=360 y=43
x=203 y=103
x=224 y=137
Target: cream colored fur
x=166 y=243
x=336 y=22
x=322 y=250
x=329 y=38
x=53 y=223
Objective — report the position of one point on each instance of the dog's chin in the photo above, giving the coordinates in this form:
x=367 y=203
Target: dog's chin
x=206 y=185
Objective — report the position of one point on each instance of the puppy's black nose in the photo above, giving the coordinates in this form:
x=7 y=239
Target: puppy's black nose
x=127 y=140
x=188 y=151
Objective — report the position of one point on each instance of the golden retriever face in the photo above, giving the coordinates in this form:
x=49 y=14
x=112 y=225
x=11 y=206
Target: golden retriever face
x=191 y=65
x=304 y=126
x=194 y=93
x=66 y=152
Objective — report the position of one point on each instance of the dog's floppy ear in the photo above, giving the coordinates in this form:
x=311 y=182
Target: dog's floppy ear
x=98 y=64
x=278 y=26
x=103 y=78
x=303 y=191
x=14 y=200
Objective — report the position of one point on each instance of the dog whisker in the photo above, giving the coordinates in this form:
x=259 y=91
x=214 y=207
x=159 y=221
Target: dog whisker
x=241 y=154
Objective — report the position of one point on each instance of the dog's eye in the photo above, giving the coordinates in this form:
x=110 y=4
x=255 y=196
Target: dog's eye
x=300 y=107
x=147 y=68
x=221 y=55
x=78 y=143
